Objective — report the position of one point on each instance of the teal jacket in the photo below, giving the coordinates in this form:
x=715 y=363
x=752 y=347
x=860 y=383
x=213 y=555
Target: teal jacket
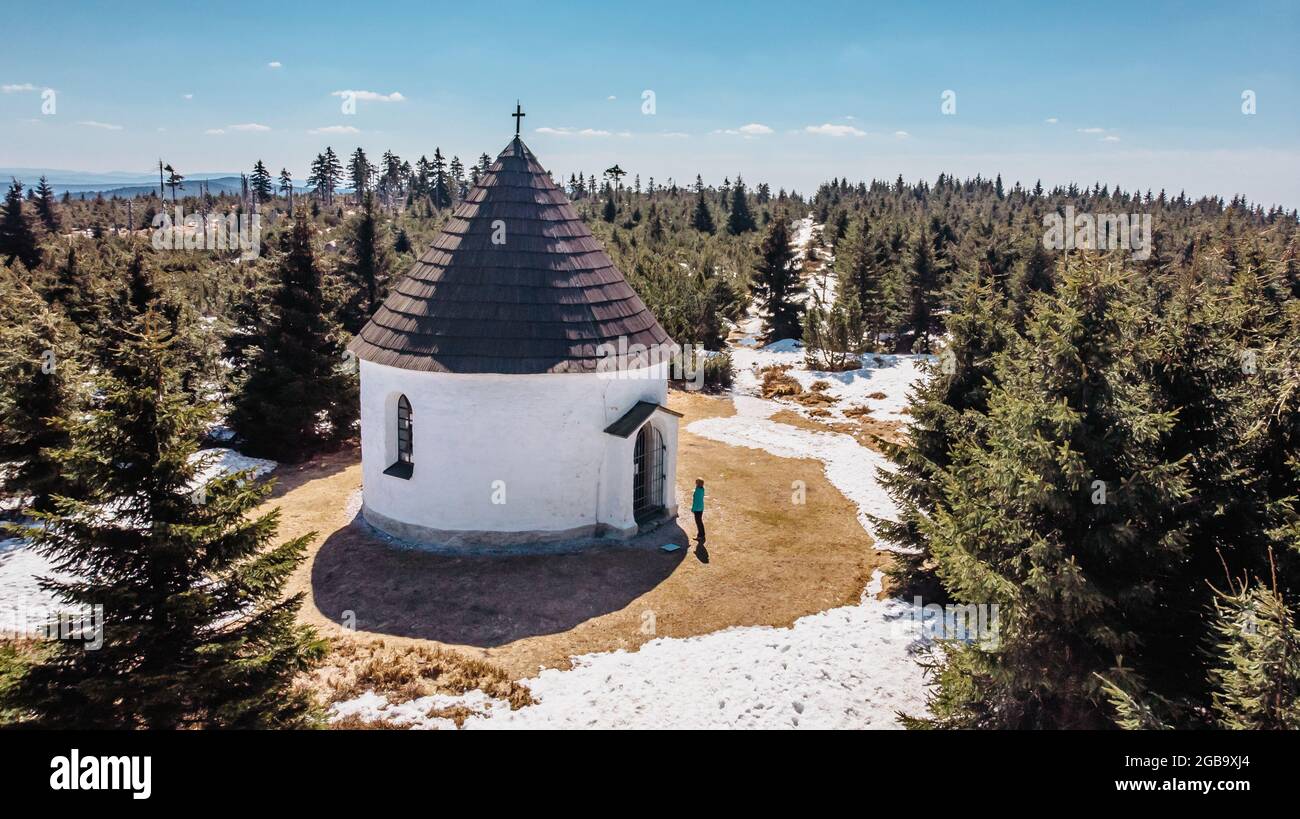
x=697 y=500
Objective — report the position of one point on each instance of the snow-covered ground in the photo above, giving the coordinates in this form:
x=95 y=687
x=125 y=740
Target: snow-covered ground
x=223 y=461
x=801 y=236
x=821 y=283
x=21 y=567
x=373 y=707
x=880 y=385
x=848 y=667
x=22 y=600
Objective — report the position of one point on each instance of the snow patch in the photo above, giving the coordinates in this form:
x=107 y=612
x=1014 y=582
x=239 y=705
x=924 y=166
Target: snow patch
x=416 y=713
x=22 y=567
x=848 y=667
x=221 y=461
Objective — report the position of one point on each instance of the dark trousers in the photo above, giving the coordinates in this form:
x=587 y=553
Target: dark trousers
x=699 y=526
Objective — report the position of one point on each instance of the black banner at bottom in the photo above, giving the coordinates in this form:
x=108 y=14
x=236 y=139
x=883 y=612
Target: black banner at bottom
x=138 y=772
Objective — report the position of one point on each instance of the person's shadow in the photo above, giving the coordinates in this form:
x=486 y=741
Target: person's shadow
x=701 y=553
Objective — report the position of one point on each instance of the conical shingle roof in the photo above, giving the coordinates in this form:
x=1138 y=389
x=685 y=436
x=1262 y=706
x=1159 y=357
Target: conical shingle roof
x=540 y=301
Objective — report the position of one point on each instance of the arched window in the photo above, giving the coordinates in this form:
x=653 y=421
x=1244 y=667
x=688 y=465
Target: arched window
x=404 y=430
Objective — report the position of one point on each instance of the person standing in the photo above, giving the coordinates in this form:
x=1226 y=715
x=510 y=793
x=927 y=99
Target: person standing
x=697 y=507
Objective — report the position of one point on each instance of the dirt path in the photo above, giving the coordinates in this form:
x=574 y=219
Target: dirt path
x=770 y=560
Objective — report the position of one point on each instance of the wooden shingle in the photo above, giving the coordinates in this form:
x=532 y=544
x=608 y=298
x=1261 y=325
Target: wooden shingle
x=542 y=301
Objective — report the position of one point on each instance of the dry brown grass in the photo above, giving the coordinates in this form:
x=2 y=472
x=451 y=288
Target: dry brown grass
x=769 y=562
x=816 y=399
x=865 y=429
x=776 y=382
x=401 y=671
x=352 y=722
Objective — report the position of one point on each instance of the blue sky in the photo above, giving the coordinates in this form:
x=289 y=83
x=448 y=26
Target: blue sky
x=1137 y=94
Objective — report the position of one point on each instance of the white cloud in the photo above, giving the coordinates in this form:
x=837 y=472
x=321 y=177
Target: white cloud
x=611 y=97
x=246 y=127
x=584 y=132
x=749 y=131
x=369 y=96
x=902 y=134
x=335 y=129
x=1093 y=130
x=1051 y=120
x=90 y=123
x=827 y=129
x=18 y=88
x=1110 y=138
x=274 y=64
x=187 y=96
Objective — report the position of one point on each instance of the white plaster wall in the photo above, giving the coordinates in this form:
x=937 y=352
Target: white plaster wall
x=542 y=435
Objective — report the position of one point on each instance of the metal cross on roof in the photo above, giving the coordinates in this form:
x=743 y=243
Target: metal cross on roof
x=519 y=116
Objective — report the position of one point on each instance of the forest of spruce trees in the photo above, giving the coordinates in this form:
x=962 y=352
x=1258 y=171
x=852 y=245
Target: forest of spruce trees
x=1107 y=448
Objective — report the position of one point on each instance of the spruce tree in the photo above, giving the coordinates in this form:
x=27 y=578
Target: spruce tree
x=249 y=311
x=297 y=396
x=45 y=209
x=776 y=284
x=136 y=293
x=922 y=283
x=1055 y=508
x=17 y=239
x=402 y=241
x=702 y=218
x=440 y=186
x=834 y=334
x=1256 y=660
x=326 y=171
x=359 y=173
x=740 y=220
x=949 y=402
x=73 y=289
x=197 y=632
x=858 y=265
x=260 y=183
x=39 y=392
x=366 y=267
x=175 y=181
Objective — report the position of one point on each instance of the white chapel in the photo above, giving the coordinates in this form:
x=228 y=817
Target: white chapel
x=506 y=397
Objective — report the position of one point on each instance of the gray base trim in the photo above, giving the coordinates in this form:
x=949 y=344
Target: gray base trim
x=487 y=542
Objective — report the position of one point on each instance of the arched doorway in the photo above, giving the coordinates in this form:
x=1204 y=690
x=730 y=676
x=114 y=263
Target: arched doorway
x=648 y=474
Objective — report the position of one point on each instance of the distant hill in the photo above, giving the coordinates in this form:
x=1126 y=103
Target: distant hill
x=220 y=185
x=116 y=183
x=224 y=184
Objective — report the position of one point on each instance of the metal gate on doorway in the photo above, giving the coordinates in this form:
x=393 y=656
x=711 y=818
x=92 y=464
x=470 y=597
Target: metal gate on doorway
x=648 y=474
